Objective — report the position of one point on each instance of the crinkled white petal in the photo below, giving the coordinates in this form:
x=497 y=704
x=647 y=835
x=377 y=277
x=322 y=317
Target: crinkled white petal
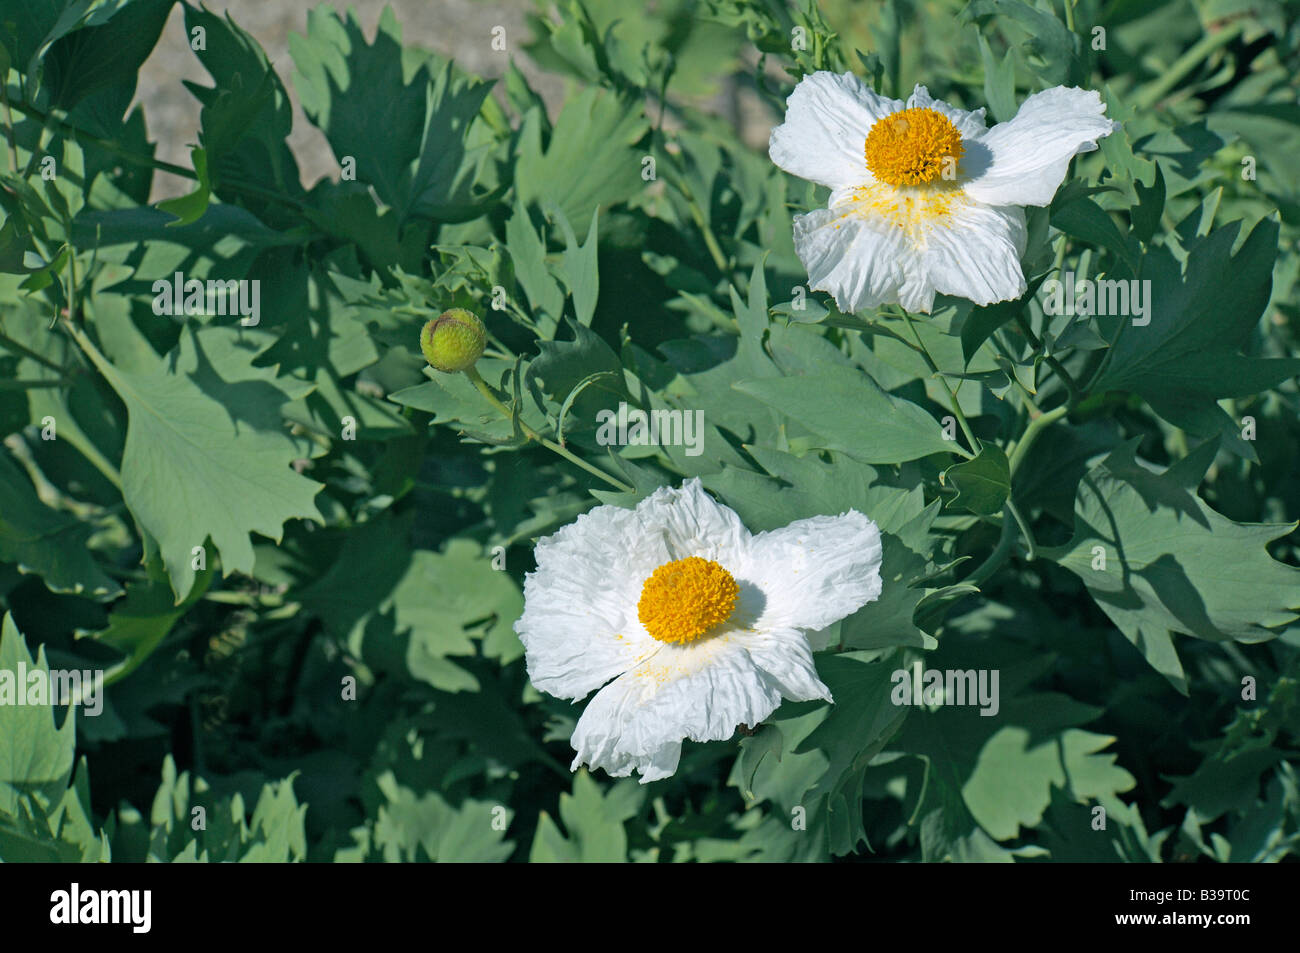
x=975 y=255
x=815 y=571
x=1024 y=160
x=860 y=262
x=887 y=244
x=703 y=691
x=785 y=657
x=969 y=124
x=825 y=130
x=579 y=627
x=692 y=523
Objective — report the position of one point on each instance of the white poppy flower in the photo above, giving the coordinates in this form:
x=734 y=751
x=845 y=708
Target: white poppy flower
x=696 y=625
x=925 y=198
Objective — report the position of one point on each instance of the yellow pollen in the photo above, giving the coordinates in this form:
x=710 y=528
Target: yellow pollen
x=684 y=599
x=913 y=147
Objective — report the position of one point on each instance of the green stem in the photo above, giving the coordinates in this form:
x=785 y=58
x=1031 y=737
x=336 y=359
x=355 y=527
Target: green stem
x=943 y=382
x=697 y=214
x=1024 y=529
x=9 y=126
x=1066 y=377
x=65 y=128
x=28 y=353
x=74 y=436
x=1184 y=65
x=32 y=385
x=477 y=380
x=72 y=272
x=1036 y=426
x=993 y=563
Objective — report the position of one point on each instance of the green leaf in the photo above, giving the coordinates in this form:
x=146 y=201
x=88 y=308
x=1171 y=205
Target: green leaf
x=139 y=623
x=188 y=209
x=859 y=723
x=41 y=540
x=428 y=162
x=528 y=258
x=999 y=82
x=562 y=367
x=246 y=116
x=767 y=742
x=851 y=413
x=414 y=611
x=276 y=832
x=206 y=454
x=1055 y=49
x=907 y=563
x=594 y=823
x=1189 y=355
x=1253 y=743
x=1085 y=219
x=1157 y=561
x=597 y=132
x=579 y=268
x=1151 y=206
x=87 y=60
x=995 y=774
x=983 y=484
x=35 y=755
x=1070 y=759
x=983 y=321
x=455 y=402
x=800 y=487
x=409 y=828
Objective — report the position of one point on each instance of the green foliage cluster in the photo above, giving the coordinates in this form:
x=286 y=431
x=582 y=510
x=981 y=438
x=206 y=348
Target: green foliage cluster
x=297 y=552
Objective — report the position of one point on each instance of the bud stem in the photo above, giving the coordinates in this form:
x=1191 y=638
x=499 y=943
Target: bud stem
x=483 y=388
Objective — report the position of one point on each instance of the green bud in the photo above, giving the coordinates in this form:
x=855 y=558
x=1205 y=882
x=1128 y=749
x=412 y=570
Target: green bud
x=453 y=341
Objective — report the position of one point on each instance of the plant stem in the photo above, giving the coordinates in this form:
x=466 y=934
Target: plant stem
x=1066 y=377
x=9 y=127
x=1036 y=426
x=13 y=346
x=149 y=161
x=1024 y=529
x=75 y=436
x=993 y=563
x=710 y=240
x=483 y=388
x=1184 y=65
x=32 y=385
x=943 y=381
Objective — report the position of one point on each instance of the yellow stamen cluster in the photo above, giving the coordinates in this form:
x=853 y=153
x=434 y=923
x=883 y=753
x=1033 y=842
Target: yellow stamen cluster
x=684 y=599
x=913 y=147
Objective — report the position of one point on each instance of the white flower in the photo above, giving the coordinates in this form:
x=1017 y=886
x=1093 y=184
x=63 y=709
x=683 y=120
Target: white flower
x=925 y=198
x=699 y=625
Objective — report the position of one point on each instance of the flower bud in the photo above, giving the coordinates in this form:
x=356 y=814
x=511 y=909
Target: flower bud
x=453 y=341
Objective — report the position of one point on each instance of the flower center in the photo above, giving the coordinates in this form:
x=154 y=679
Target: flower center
x=685 y=598
x=912 y=147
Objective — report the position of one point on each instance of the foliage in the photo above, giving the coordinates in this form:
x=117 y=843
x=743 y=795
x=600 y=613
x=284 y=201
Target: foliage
x=297 y=552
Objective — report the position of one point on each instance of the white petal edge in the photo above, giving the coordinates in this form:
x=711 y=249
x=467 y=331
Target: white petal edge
x=816 y=571
x=1024 y=160
x=825 y=130
x=969 y=124
x=702 y=691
